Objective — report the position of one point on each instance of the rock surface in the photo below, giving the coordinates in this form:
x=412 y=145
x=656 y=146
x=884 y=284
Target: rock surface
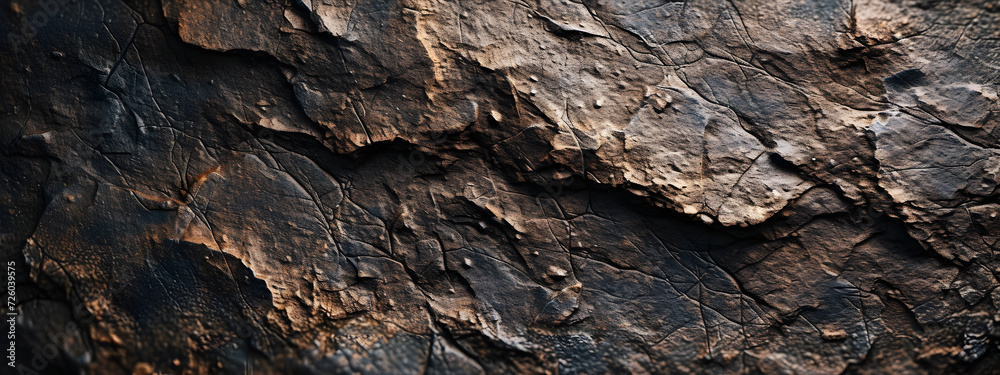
x=537 y=186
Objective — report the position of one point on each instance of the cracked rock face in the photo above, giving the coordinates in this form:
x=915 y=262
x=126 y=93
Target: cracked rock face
x=332 y=186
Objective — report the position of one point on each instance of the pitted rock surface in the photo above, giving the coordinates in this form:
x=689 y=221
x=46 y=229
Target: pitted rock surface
x=517 y=186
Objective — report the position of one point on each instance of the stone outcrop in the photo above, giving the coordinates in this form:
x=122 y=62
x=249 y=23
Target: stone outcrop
x=537 y=186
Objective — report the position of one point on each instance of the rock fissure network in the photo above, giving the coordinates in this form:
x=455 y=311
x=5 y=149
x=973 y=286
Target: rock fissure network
x=527 y=186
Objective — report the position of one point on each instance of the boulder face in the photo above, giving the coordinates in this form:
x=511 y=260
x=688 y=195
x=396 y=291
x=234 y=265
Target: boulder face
x=537 y=186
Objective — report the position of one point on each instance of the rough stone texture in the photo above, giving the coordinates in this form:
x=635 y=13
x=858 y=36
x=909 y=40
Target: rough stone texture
x=520 y=186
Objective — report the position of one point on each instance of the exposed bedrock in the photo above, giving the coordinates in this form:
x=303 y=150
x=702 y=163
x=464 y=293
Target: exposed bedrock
x=526 y=186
